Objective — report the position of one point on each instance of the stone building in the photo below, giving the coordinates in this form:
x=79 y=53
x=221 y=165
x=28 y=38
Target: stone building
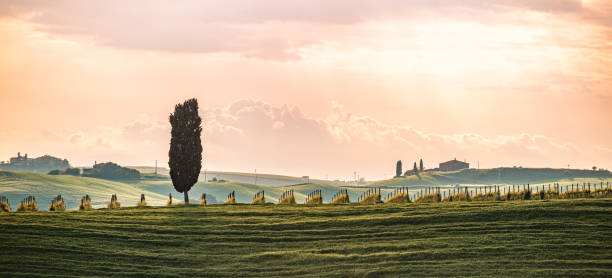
x=453 y=165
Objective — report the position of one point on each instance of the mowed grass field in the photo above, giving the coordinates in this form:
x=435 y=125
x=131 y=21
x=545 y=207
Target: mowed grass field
x=523 y=238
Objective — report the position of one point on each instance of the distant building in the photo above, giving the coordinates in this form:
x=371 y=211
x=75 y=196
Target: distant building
x=19 y=160
x=453 y=165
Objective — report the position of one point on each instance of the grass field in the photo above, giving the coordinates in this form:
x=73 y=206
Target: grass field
x=526 y=238
x=18 y=185
x=503 y=175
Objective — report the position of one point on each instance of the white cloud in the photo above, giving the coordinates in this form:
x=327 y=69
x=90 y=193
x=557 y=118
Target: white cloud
x=343 y=141
x=273 y=29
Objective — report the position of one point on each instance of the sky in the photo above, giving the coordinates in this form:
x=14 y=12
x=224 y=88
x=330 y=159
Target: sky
x=318 y=88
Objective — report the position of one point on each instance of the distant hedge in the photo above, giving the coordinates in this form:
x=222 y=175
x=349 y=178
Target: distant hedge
x=112 y=171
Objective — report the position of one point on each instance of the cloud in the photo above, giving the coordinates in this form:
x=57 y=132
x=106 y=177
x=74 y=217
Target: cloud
x=250 y=134
x=342 y=140
x=273 y=30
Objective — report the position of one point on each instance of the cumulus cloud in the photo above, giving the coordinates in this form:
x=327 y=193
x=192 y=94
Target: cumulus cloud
x=343 y=141
x=250 y=134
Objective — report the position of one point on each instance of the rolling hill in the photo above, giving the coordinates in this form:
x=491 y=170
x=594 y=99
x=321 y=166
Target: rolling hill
x=262 y=179
x=17 y=185
x=498 y=176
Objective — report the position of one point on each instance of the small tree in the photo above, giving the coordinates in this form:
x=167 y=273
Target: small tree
x=421 y=165
x=414 y=168
x=185 y=155
x=398 y=168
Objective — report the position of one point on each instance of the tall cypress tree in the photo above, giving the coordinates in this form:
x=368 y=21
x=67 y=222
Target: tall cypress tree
x=421 y=165
x=185 y=155
x=414 y=168
x=398 y=169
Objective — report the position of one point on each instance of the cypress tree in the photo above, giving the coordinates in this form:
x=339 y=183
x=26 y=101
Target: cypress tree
x=398 y=169
x=421 y=165
x=185 y=155
x=414 y=168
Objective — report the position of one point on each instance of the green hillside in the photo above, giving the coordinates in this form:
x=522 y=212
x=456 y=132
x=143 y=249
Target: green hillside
x=262 y=179
x=17 y=185
x=557 y=238
x=498 y=176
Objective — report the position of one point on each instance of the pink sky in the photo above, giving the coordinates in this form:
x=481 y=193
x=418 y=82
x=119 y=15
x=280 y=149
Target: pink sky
x=311 y=87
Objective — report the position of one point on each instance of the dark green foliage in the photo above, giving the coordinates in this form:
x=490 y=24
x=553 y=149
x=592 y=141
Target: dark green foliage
x=112 y=171
x=398 y=169
x=414 y=168
x=72 y=172
x=421 y=168
x=185 y=155
x=526 y=194
x=55 y=172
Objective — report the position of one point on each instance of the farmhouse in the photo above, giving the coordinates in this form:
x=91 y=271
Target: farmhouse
x=20 y=160
x=453 y=165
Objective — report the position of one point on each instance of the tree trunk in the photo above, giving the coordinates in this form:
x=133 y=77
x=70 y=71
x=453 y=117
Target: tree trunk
x=186 y=197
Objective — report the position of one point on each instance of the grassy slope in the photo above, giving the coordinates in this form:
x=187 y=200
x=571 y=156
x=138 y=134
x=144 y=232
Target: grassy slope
x=17 y=185
x=270 y=180
x=529 y=238
x=499 y=176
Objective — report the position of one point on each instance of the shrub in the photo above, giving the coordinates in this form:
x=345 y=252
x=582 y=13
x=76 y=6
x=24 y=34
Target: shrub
x=526 y=194
x=461 y=196
x=203 y=201
x=231 y=198
x=114 y=203
x=290 y=200
x=57 y=204
x=314 y=198
x=112 y=171
x=169 y=202
x=72 y=172
x=602 y=193
x=142 y=202
x=489 y=196
x=55 y=172
x=575 y=194
x=520 y=195
x=259 y=198
x=373 y=198
x=429 y=198
x=544 y=195
x=85 y=203
x=399 y=198
x=4 y=204
x=287 y=198
x=28 y=205
x=341 y=197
